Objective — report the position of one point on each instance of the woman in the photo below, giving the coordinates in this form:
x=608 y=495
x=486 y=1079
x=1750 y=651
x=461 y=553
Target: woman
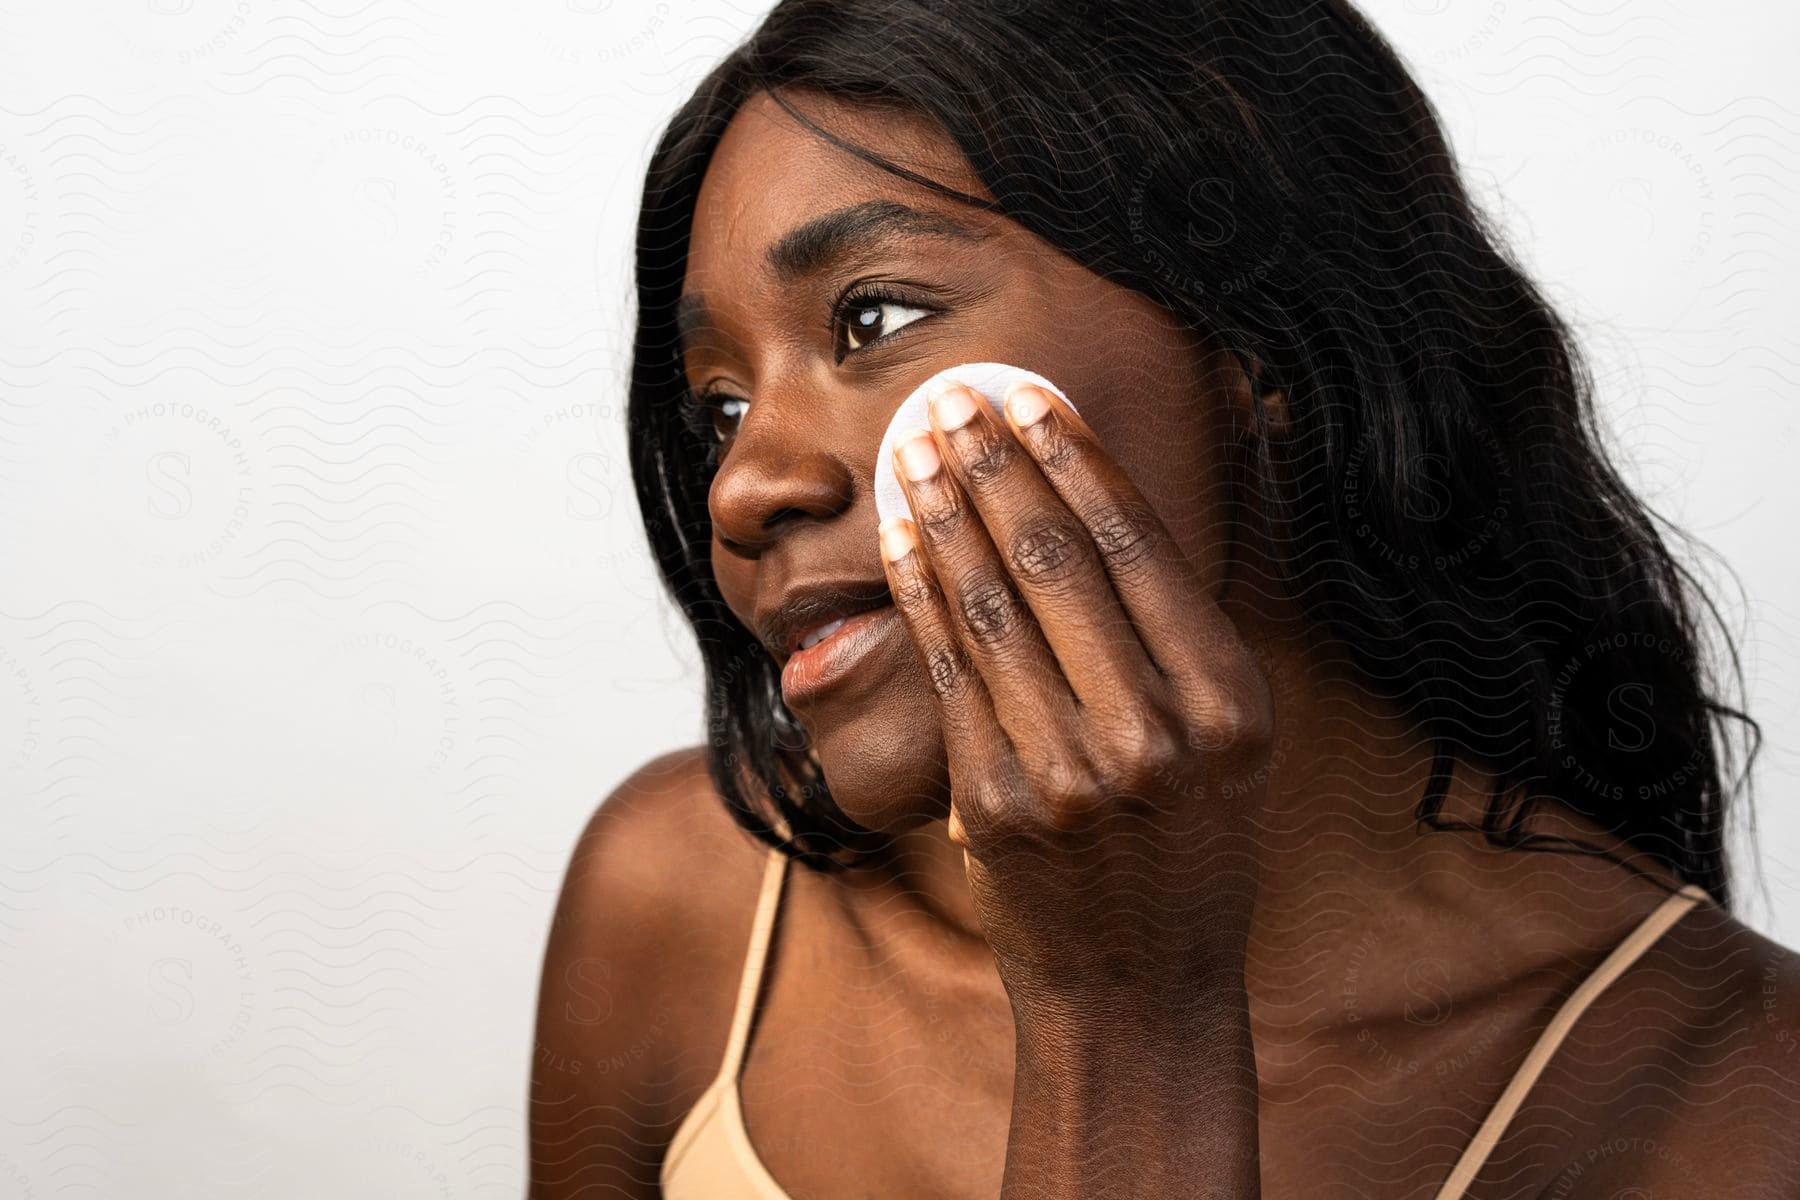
x=1295 y=775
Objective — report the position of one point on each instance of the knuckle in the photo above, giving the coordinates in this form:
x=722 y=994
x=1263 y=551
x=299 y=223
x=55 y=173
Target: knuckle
x=1143 y=749
x=948 y=668
x=1045 y=552
x=990 y=611
x=1125 y=535
x=993 y=815
x=1233 y=725
x=1070 y=793
x=987 y=459
x=941 y=515
x=913 y=590
x=1058 y=451
x=1151 y=737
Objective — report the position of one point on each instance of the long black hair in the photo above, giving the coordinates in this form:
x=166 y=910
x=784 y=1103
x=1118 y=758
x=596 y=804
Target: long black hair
x=1434 y=488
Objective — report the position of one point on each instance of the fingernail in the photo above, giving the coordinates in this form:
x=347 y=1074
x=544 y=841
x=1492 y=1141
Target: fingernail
x=919 y=455
x=896 y=539
x=1027 y=403
x=953 y=407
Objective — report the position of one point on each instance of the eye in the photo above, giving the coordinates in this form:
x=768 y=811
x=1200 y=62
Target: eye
x=865 y=318
x=714 y=417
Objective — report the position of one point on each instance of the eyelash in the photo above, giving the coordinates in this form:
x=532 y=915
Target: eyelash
x=697 y=405
x=870 y=296
x=697 y=417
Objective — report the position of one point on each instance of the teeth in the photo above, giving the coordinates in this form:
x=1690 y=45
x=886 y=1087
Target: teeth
x=820 y=634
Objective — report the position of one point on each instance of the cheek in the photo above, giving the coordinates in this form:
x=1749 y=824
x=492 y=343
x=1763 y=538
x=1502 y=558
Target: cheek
x=1139 y=379
x=736 y=580
x=1179 y=461
x=1167 y=440
x=1163 y=419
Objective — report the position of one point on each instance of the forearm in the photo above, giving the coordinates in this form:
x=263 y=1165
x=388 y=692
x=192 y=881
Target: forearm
x=1109 y=1106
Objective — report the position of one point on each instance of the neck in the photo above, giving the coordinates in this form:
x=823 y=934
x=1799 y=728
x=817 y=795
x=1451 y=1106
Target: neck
x=1344 y=778
x=1343 y=857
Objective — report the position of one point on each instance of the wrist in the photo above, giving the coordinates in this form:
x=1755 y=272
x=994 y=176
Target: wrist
x=1180 y=1084
x=1106 y=1021
x=1118 y=1047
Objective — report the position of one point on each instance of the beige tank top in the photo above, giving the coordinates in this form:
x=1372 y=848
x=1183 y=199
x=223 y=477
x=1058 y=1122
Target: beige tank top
x=711 y=1157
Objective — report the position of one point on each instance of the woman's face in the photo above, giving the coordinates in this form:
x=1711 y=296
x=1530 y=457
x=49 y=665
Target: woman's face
x=820 y=291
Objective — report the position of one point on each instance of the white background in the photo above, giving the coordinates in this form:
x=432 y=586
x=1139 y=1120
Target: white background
x=326 y=615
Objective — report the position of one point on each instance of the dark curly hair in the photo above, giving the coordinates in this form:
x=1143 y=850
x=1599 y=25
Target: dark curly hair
x=1435 y=492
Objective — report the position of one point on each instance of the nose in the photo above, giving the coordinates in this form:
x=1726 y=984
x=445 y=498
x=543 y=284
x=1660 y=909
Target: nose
x=783 y=467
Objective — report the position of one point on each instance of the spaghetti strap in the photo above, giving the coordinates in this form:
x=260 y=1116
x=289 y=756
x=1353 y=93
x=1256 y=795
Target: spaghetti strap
x=1677 y=906
x=774 y=870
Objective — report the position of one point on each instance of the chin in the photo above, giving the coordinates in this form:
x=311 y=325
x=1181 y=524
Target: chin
x=886 y=774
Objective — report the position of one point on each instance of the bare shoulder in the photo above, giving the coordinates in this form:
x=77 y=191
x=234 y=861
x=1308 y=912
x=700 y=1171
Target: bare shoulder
x=1714 y=1109
x=639 y=976
x=1741 y=1110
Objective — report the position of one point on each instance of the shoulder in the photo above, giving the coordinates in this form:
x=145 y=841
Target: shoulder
x=1714 y=1108
x=1740 y=1053
x=639 y=975
x=647 y=843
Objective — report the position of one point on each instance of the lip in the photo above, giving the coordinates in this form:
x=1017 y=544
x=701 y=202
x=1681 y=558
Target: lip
x=809 y=673
x=785 y=619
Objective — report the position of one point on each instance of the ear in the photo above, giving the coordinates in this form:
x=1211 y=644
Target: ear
x=1240 y=387
x=1274 y=399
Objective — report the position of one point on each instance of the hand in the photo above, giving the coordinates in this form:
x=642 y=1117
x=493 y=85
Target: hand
x=1095 y=701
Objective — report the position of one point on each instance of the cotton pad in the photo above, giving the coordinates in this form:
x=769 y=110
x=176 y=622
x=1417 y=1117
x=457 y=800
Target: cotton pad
x=989 y=380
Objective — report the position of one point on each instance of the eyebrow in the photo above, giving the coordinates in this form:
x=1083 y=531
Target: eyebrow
x=809 y=248
x=824 y=239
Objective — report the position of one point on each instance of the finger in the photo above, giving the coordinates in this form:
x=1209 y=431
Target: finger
x=973 y=737
x=1179 y=625
x=1031 y=697
x=1049 y=555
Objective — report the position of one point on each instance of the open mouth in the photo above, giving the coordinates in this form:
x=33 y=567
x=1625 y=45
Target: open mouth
x=835 y=650
x=815 y=636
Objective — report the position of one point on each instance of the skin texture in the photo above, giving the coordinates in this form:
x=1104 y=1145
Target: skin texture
x=932 y=1030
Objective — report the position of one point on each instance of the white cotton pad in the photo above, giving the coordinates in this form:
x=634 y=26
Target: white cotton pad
x=988 y=379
